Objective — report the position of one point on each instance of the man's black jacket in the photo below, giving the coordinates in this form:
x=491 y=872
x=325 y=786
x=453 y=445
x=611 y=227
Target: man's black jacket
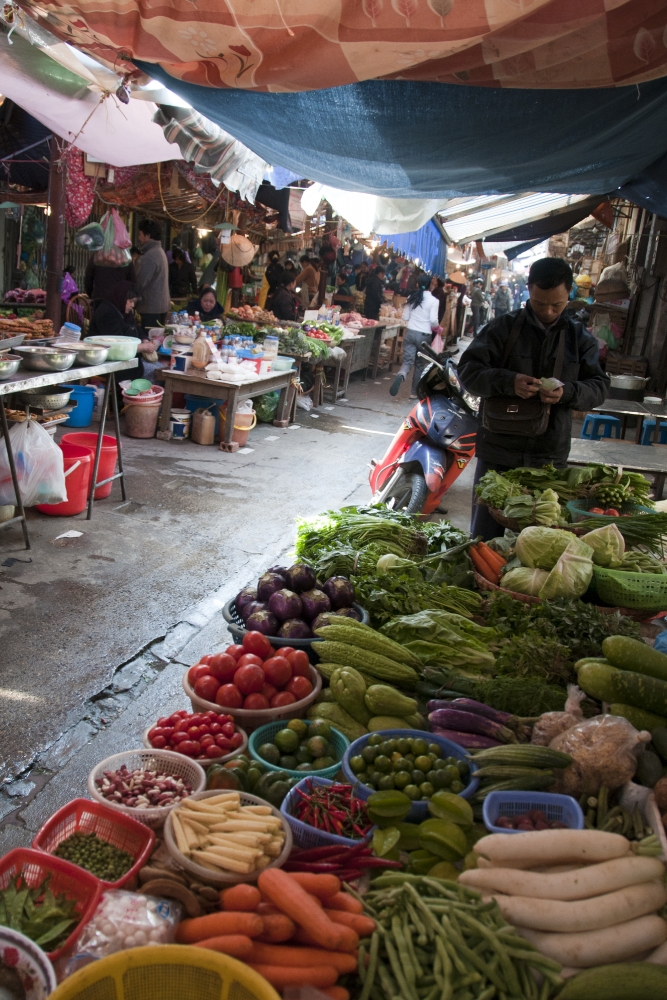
x=534 y=353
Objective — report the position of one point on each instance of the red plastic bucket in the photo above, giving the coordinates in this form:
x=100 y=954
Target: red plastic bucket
x=77 y=482
x=108 y=456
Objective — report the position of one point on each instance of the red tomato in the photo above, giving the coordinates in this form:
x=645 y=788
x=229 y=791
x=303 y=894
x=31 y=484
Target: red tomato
x=224 y=718
x=194 y=673
x=229 y=696
x=178 y=737
x=256 y=702
x=159 y=742
x=249 y=658
x=269 y=690
x=255 y=642
x=204 y=729
x=163 y=721
x=193 y=732
x=235 y=651
x=188 y=747
x=300 y=687
x=206 y=741
x=224 y=743
x=222 y=668
x=211 y=715
x=228 y=730
x=612 y=512
x=155 y=731
x=207 y=688
x=237 y=739
x=596 y=510
x=285 y=651
x=197 y=719
x=249 y=679
x=212 y=751
x=182 y=726
x=207 y=658
x=215 y=728
x=278 y=671
x=282 y=699
x=299 y=662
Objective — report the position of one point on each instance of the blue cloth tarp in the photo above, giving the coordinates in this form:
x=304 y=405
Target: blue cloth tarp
x=425 y=244
x=405 y=139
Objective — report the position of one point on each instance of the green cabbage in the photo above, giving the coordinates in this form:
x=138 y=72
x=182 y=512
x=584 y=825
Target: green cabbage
x=540 y=547
x=524 y=580
x=608 y=545
x=572 y=574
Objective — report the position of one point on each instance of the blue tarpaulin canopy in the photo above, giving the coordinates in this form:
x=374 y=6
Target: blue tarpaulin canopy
x=425 y=245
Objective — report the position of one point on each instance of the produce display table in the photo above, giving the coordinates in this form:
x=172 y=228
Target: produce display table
x=383 y=332
x=233 y=392
x=36 y=380
x=633 y=457
x=627 y=408
x=358 y=351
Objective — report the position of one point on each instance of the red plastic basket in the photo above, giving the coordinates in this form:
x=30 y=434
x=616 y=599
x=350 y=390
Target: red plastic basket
x=84 y=816
x=74 y=882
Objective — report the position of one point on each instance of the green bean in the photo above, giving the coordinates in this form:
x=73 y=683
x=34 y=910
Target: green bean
x=462 y=951
x=361 y=962
x=544 y=992
x=534 y=958
x=406 y=989
x=505 y=962
x=386 y=981
x=422 y=938
x=446 y=962
x=371 y=971
x=488 y=993
x=404 y=957
x=433 y=993
x=407 y=937
x=469 y=980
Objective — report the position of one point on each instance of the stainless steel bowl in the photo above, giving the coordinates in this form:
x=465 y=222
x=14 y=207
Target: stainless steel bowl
x=86 y=354
x=46 y=359
x=627 y=382
x=9 y=365
x=45 y=400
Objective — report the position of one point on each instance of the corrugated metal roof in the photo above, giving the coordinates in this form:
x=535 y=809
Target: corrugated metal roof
x=486 y=219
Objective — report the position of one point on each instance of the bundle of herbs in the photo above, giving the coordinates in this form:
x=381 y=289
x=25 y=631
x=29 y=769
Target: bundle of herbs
x=45 y=918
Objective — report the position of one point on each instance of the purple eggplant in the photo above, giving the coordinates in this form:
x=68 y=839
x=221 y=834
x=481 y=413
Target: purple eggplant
x=295 y=628
x=340 y=591
x=315 y=603
x=467 y=722
x=262 y=621
x=244 y=597
x=469 y=741
x=349 y=613
x=251 y=608
x=280 y=570
x=300 y=577
x=468 y=705
x=285 y=604
x=326 y=618
x=268 y=584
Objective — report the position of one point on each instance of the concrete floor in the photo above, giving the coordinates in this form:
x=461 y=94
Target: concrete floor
x=96 y=629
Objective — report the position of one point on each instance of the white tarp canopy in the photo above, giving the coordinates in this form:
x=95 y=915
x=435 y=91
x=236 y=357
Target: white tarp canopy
x=480 y=218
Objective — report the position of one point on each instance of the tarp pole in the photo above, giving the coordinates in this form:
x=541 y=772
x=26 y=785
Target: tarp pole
x=55 y=236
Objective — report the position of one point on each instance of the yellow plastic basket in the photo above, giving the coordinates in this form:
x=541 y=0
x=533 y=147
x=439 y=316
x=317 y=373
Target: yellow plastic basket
x=166 y=972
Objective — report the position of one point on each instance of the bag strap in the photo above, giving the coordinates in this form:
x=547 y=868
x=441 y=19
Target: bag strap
x=560 y=354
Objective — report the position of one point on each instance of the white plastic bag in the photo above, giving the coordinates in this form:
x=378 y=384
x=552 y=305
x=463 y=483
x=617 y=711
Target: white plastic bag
x=39 y=466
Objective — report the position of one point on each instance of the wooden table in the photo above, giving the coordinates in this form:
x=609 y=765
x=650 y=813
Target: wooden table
x=633 y=457
x=384 y=331
x=36 y=380
x=358 y=352
x=233 y=392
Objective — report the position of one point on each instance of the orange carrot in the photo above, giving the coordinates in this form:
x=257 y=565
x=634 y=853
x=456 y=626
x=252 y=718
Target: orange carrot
x=336 y=993
x=241 y=897
x=322 y=886
x=493 y=558
x=236 y=945
x=217 y=924
x=282 y=976
x=289 y=955
x=349 y=939
x=277 y=927
x=267 y=909
x=343 y=901
x=364 y=926
x=482 y=567
x=288 y=895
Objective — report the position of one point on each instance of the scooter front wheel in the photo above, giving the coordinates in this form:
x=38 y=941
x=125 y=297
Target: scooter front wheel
x=408 y=494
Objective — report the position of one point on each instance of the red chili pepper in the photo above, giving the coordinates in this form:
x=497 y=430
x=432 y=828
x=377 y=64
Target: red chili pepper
x=317 y=853
x=378 y=863
x=316 y=869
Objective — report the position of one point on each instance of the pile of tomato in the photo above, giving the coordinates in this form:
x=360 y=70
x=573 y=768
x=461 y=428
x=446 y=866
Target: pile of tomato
x=252 y=676
x=205 y=735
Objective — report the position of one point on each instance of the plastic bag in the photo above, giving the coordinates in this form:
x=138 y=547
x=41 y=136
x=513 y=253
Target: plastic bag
x=266 y=407
x=304 y=402
x=552 y=724
x=605 y=751
x=114 y=252
x=125 y=920
x=572 y=574
x=542 y=547
x=524 y=580
x=608 y=545
x=40 y=468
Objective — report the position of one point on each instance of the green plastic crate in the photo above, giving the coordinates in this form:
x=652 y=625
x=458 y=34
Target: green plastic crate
x=631 y=590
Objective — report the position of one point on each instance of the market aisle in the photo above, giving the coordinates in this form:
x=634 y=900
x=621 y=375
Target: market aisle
x=144 y=582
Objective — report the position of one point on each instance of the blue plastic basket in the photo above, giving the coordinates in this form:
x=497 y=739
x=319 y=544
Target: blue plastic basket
x=562 y=808
x=419 y=809
x=304 y=835
x=266 y=733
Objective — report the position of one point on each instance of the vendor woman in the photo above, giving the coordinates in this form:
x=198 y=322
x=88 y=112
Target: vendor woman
x=206 y=305
x=114 y=317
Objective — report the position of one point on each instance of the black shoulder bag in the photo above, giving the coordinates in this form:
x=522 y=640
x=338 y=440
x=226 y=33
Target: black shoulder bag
x=511 y=414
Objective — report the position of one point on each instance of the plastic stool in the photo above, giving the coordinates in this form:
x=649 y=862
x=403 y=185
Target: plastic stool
x=597 y=426
x=648 y=429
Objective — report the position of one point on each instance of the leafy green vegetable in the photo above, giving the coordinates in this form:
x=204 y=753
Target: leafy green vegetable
x=38 y=913
x=526 y=697
x=538 y=656
x=442 y=638
x=495 y=490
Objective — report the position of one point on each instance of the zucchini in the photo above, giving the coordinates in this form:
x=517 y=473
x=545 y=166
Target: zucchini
x=613 y=685
x=533 y=784
x=641 y=720
x=632 y=654
x=370 y=640
x=623 y=981
x=367 y=661
x=523 y=755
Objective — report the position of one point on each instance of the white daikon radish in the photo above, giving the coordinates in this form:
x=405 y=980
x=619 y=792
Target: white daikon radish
x=574 y=883
x=612 y=944
x=584 y=914
x=659 y=956
x=551 y=847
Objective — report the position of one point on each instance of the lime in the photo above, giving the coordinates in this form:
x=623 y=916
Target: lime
x=288 y=762
x=375 y=740
x=388 y=747
x=286 y=740
x=427 y=789
x=402 y=764
x=457 y=787
x=375 y=776
x=254 y=774
x=386 y=782
x=383 y=764
x=366 y=781
x=358 y=764
x=317 y=746
x=417 y=776
x=412 y=792
x=452 y=772
x=452 y=760
x=270 y=753
x=319 y=727
x=320 y=763
x=303 y=755
x=439 y=765
x=369 y=754
x=439 y=779
x=401 y=779
x=423 y=763
x=304 y=767
x=299 y=727
x=411 y=758
x=464 y=768
x=403 y=745
x=434 y=749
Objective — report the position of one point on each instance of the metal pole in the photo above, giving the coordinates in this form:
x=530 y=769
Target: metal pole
x=114 y=408
x=55 y=236
x=12 y=469
x=98 y=448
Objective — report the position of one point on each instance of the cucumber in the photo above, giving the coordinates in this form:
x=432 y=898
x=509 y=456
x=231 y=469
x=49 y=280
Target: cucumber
x=659 y=737
x=613 y=685
x=649 y=768
x=624 y=981
x=641 y=720
x=632 y=654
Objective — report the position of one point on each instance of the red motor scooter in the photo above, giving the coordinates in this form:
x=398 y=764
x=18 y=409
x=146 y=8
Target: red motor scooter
x=433 y=445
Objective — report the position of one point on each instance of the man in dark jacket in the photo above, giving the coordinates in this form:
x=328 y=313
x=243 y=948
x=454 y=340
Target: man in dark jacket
x=374 y=294
x=532 y=357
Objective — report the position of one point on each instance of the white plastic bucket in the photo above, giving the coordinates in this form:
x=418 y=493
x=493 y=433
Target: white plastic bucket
x=179 y=424
x=181 y=357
